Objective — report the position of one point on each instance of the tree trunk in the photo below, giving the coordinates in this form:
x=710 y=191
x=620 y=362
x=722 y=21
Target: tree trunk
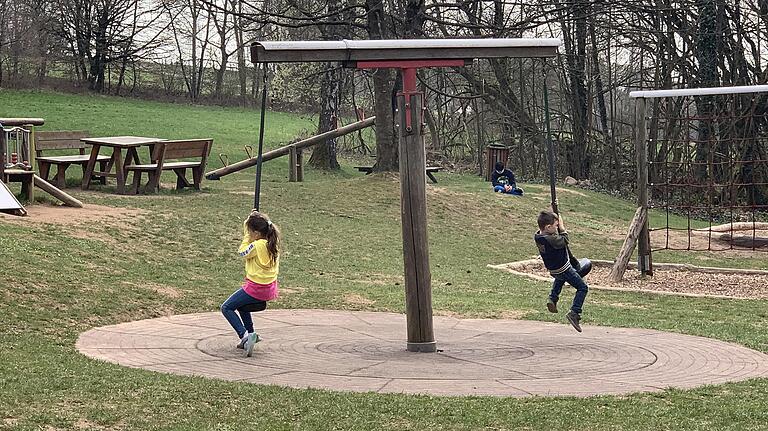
x=383 y=86
x=324 y=154
x=576 y=152
x=242 y=70
x=706 y=55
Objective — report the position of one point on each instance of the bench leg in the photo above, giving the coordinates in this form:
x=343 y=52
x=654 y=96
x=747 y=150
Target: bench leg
x=432 y=177
x=181 y=178
x=61 y=175
x=103 y=167
x=45 y=169
x=197 y=177
x=136 y=182
x=153 y=184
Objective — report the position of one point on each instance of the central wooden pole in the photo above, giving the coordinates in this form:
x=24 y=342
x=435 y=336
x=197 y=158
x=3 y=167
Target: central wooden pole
x=413 y=202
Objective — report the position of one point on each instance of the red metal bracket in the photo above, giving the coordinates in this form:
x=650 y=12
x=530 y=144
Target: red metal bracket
x=408 y=68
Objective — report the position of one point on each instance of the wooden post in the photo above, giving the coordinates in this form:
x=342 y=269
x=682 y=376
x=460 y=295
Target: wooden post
x=32 y=147
x=293 y=164
x=413 y=201
x=620 y=266
x=641 y=149
x=3 y=149
x=299 y=165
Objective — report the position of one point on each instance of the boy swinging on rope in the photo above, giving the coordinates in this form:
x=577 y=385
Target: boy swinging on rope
x=552 y=242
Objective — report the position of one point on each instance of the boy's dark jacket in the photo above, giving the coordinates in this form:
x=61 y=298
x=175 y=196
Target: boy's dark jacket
x=498 y=178
x=554 y=251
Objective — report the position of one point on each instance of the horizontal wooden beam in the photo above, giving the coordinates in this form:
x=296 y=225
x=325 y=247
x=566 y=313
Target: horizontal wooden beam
x=13 y=122
x=278 y=152
x=350 y=51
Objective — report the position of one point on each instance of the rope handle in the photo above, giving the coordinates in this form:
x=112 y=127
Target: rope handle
x=249 y=151
x=224 y=159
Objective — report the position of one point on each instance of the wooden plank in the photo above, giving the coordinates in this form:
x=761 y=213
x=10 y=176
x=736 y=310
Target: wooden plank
x=350 y=51
x=620 y=266
x=59 y=140
x=73 y=159
x=186 y=148
x=58 y=194
x=11 y=122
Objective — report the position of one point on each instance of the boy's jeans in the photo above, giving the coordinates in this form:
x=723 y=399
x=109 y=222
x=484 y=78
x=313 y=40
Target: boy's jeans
x=514 y=191
x=573 y=276
x=244 y=304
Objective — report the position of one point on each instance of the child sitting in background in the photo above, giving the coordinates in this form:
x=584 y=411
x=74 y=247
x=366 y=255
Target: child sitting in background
x=503 y=180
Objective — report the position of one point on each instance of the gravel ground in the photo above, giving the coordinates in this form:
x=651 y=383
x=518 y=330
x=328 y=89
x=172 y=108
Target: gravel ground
x=676 y=281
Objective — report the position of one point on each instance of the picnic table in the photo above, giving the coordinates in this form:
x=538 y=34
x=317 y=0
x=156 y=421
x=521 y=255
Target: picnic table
x=118 y=143
x=430 y=170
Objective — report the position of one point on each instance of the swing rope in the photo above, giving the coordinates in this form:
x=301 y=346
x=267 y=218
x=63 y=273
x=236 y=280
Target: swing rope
x=550 y=145
x=257 y=193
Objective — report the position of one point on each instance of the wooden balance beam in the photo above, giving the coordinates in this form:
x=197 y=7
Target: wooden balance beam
x=269 y=155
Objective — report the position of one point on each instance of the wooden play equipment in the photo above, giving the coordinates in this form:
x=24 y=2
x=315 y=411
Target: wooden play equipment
x=686 y=164
x=17 y=161
x=408 y=56
x=295 y=150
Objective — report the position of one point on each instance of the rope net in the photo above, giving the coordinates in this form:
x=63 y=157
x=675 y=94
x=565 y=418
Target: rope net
x=708 y=171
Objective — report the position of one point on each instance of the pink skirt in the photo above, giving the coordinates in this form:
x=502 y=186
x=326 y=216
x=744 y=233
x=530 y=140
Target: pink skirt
x=262 y=292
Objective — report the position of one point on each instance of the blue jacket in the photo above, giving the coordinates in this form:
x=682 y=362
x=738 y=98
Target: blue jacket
x=505 y=177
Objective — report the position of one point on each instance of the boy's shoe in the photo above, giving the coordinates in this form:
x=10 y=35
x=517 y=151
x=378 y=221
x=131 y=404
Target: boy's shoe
x=551 y=306
x=250 y=342
x=574 y=318
x=241 y=344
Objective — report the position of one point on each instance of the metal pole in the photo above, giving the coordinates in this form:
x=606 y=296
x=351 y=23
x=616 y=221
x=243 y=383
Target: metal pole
x=550 y=145
x=257 y=193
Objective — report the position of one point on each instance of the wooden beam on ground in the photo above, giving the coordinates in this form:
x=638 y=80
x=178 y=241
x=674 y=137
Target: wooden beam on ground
x=57 y=193
x=620 y=266
x=269 y=155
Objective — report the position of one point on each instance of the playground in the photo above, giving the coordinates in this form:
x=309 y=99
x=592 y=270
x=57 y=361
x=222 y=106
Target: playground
x=135 y=281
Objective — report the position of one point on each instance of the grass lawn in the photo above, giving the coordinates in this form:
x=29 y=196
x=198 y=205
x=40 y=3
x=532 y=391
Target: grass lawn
x=173 y=253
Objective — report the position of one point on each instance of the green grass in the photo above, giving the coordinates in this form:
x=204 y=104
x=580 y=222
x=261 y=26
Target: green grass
x=342 y=237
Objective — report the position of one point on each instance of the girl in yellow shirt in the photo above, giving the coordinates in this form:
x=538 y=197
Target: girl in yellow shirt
x=260 y=250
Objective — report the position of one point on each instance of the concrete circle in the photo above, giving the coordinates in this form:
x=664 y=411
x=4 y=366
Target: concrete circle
x=365 y=351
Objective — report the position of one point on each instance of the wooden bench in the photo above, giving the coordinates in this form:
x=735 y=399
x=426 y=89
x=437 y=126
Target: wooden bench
x=167 y=156
x=429 y=171
x=63 y=140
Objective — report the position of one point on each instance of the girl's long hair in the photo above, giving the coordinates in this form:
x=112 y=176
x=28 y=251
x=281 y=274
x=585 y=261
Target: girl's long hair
x=259 y=222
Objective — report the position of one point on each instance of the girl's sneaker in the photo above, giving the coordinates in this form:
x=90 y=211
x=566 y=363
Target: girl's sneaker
x=250 y=342
x=241 y=344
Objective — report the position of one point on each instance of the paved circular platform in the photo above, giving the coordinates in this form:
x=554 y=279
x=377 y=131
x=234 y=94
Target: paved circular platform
x=365 y=351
